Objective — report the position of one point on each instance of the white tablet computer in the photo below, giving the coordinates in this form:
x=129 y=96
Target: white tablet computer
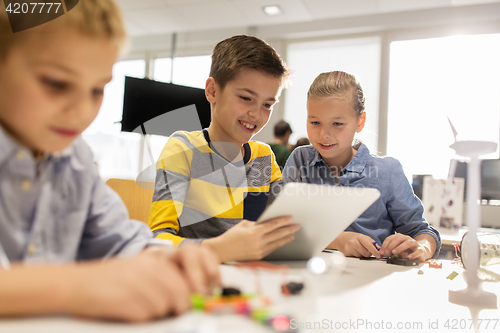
x=323 y=212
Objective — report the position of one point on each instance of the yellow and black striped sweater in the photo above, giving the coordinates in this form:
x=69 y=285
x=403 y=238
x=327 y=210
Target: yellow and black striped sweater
x=199 y=194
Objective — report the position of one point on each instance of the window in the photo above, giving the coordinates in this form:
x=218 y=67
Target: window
x=360 y=57
x=104 y=135
x=130 y=156
x=188 y=71
x=162 y=69
x=112 y=105
x=432 y=79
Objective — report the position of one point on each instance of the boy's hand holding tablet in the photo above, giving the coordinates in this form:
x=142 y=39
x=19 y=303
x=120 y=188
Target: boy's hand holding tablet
x=248 y=240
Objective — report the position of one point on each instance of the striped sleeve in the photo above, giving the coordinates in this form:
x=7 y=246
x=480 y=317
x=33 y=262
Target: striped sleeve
x=276 y=179
x=171 y=185
x=263 y=163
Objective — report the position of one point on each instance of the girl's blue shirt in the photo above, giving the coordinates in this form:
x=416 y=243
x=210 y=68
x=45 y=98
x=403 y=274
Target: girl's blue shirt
x=397 y=209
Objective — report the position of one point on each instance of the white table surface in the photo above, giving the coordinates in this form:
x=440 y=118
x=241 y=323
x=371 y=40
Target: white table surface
x=351 y=299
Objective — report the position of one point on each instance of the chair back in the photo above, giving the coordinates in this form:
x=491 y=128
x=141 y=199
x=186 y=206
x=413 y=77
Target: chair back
x=137 y=199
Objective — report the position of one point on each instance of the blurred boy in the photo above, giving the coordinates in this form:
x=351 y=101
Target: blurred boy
x=54 y=208
x=212 y=184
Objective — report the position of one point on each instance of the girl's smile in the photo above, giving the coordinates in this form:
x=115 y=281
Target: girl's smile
x=331 y=126
x=326 y=146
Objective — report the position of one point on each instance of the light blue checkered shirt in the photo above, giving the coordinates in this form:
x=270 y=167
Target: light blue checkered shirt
x=397 y=209
x=59 y=210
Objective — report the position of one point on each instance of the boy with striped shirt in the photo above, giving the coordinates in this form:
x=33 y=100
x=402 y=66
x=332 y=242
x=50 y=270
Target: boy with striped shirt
x=211 y=185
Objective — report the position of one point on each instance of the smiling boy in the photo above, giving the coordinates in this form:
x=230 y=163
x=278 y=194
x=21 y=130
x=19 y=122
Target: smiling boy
x=57 y=217
x=212 y=184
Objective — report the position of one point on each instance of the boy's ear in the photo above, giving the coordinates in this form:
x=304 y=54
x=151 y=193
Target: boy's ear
x=361 y=122
x=210 y=89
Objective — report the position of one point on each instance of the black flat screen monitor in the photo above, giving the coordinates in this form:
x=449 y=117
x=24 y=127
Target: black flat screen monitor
x=152 y=107
x=490 y=178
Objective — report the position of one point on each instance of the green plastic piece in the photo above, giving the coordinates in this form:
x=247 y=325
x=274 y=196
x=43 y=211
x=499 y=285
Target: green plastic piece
x=198 y=302
x=452 y=275
x=260 y=315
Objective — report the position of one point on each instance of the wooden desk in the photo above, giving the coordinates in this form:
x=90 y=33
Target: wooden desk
x=364 y=293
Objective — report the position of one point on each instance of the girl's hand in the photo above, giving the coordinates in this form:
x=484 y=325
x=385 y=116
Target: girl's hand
x=353 y=244
x=398 y=243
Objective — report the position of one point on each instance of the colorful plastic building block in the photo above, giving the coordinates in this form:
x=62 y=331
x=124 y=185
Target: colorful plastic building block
x=402 y=255
x=434 y=264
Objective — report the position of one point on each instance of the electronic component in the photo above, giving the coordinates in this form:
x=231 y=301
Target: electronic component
x=402 y=261
x=227 y=291
x=292 y=288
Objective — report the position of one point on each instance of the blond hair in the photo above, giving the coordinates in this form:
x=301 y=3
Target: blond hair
x=233 y=54
x=340 y=85
x=93 y=18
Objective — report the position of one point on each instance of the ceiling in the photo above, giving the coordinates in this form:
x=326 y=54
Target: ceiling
x=155 y=17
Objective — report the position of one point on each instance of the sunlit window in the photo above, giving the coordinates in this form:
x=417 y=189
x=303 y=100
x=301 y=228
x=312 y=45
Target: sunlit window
x=104 y=134
x=188 y=71
x=162 y=69
x=360 y=57
x=107 y=120
x=116 y=153
x=432 y=79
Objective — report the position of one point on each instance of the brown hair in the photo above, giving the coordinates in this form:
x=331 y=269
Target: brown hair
x=281 y=128
x=339 y=85
x=233 y=54
x=93 y=18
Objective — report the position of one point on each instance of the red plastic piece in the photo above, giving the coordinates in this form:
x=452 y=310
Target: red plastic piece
x=434 y=264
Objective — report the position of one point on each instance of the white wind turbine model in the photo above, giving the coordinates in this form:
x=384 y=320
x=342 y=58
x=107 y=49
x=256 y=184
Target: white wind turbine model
x=474 y=293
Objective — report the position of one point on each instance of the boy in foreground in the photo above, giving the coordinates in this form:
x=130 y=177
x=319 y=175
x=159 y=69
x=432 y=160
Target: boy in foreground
x=211 y=185
x=54 y=208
